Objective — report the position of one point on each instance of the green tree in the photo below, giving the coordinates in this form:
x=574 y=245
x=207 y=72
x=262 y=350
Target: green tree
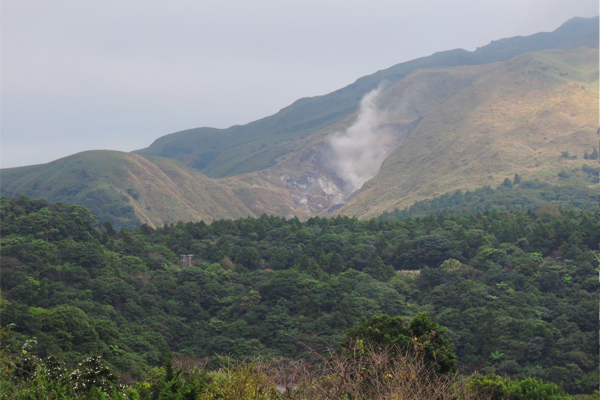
x=336 y=263
x=508 y=183
x=517 y=179
x=378 y=270
x=421 y=335
x=495 y=387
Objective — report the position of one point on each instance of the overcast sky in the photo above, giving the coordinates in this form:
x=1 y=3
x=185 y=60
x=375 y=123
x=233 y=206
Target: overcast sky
x=82 y=75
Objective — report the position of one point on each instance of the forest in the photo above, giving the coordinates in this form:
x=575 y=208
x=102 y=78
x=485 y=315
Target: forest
x=572 y=192
x=515 y=292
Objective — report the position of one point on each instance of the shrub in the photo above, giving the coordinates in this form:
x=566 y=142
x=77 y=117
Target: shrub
x=498 y=388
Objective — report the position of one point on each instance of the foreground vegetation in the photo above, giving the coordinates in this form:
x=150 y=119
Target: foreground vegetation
x=516 y=291
x=360 y=371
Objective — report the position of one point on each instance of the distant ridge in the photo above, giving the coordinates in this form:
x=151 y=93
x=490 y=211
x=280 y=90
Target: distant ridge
x=255 y=146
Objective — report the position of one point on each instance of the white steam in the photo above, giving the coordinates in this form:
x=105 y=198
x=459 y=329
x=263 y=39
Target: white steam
x=359 y=151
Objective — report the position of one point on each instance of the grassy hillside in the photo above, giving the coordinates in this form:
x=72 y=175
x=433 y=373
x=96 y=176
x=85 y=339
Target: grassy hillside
x=465 y=128
x=494 y=119
x=456 y=120
x=127 y=189
x=517 y=116
x=255 y=146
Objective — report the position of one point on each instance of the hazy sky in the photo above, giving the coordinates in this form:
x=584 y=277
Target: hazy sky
x=82 y=75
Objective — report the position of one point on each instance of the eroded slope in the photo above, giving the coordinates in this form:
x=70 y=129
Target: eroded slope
x=517 y=116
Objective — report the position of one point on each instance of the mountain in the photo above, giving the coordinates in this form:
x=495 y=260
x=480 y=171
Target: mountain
x=446 y=129
x=256 y=146
x=518 y=116
x=453 y=120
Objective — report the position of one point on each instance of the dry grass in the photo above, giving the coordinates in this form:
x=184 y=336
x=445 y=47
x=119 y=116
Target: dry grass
x=187 y=363
x=352 y=374
x=514 y=117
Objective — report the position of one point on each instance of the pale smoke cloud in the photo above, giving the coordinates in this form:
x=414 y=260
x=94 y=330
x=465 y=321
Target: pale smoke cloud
x=359 y=151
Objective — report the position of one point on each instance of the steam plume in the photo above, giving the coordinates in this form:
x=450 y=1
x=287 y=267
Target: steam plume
x=359 y=151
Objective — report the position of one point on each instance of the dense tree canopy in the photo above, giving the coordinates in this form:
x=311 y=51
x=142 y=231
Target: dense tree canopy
x=574 y=193
x=516 y=291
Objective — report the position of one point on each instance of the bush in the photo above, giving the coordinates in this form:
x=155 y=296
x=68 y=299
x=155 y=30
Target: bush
x=242 y=382
x=498 y=388
x=361 y=372
x=422 y=335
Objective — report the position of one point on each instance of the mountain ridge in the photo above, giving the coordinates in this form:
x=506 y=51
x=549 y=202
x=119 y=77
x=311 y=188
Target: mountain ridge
x=544 y=101
x=307 y=115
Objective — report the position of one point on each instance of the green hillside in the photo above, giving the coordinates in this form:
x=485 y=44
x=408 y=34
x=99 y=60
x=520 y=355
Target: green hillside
x=126 y=189
x=255 y=146
x=451 y=200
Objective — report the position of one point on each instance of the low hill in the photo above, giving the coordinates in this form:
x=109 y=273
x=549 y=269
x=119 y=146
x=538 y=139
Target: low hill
x=571 y=193
x=127 y=189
